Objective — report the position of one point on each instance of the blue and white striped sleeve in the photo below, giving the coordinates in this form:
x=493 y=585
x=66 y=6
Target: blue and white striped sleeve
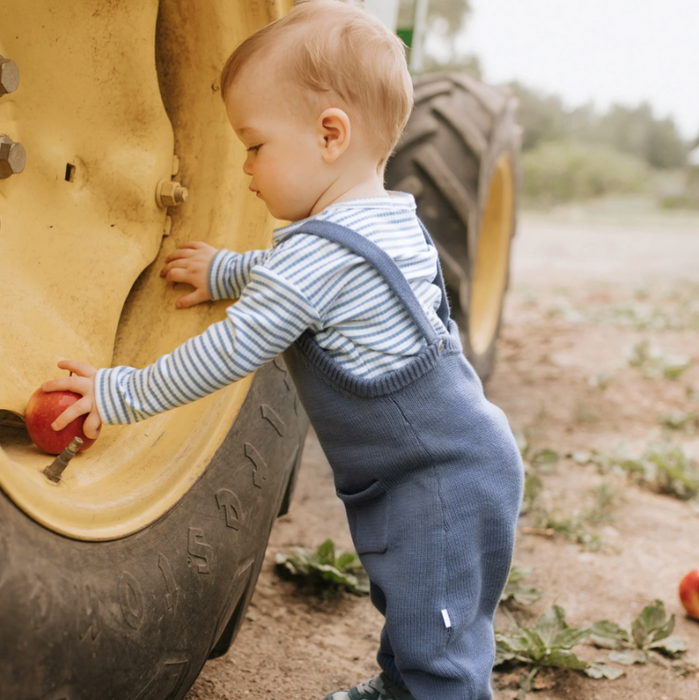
x=229 y=272
x=270 y=315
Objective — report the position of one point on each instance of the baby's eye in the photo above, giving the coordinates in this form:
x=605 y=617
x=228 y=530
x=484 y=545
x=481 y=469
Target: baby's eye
x=255 y=149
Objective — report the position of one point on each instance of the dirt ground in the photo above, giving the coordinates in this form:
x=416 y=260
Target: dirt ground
x=566 y=327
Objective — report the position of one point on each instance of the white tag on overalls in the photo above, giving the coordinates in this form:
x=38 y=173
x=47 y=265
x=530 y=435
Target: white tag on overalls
x=447 y=621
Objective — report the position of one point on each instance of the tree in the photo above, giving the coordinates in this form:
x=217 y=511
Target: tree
x=453 y=12
x=445 y=20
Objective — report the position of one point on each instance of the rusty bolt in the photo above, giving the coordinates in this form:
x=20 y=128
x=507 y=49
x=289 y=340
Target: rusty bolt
x=55 y=470
x=168 y=193
x=9 y=76
x=12 y=157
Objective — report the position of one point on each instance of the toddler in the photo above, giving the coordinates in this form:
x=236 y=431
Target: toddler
x=351 y=292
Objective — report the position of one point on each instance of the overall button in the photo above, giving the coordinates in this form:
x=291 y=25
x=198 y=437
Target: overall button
x=440 y=346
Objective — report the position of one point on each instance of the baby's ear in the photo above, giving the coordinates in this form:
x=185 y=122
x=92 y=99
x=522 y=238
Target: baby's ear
x=334 y=133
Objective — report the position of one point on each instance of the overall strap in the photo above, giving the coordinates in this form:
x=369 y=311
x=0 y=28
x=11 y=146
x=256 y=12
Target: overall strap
x=443 y=310
x=382 y=262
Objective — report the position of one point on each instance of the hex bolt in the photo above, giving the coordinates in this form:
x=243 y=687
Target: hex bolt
x=169 y=194
x=55 y=470
x=13 y=158
x=9 y=76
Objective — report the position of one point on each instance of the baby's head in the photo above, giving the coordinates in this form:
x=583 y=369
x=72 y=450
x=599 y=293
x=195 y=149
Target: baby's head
x=318 y=98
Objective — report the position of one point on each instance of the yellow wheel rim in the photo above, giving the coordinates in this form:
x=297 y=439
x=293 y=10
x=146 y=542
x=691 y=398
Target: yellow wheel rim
x=104 y=222
x=489 y=276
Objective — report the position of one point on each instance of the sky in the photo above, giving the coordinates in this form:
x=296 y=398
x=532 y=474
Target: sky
x=604 y=51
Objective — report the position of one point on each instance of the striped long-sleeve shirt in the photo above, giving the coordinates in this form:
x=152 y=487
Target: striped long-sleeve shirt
x=303 y=282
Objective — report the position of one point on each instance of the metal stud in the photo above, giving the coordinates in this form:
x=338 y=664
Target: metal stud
x=13 y=157
x=169 y=194
x=9 y=76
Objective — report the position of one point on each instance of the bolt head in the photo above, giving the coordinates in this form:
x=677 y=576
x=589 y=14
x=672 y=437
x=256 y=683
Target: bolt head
x=13 y=157
x=169 y=194
x=9 y=76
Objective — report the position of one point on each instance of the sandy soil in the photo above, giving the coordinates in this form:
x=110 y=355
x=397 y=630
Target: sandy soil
x=557 y=334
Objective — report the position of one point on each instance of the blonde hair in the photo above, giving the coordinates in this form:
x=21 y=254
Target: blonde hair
x=338 y=50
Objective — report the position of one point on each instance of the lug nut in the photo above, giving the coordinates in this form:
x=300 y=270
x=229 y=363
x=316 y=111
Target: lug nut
x=9 y=76
x=169 y=194
x=12 y=157
x=55 y=470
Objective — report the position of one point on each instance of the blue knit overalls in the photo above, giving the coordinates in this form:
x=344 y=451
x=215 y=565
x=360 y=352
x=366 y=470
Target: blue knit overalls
x=431 y=479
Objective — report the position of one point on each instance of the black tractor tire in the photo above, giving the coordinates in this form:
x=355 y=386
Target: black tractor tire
x=448 y=157
x=136 y=618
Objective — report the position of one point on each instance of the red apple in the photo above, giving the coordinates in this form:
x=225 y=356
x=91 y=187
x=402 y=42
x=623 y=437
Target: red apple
x=689 y=593
x=42 y=409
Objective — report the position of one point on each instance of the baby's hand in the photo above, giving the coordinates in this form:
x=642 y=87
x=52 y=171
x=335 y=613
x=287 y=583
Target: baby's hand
x=83 y=384
x=190 y=264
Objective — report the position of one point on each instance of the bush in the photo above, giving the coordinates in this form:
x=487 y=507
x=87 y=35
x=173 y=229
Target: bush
x=565 y=171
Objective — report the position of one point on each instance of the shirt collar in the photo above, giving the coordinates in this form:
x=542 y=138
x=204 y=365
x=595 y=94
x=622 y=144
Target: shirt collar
x=395 y=201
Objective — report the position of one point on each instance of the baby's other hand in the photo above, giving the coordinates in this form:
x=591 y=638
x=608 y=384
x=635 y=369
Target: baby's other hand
x=190 y=264
x=83 y=383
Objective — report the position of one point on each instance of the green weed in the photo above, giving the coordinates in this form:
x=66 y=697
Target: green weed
x=516 y=592
x=572 y=527
x=584 y=415
x=635 y=642
x=664 y=467
x=601 y=380
x=638 y=317
x=686 y=422
x=548 y=643
x=325 y=570
x=605 y=497
x=652 y=362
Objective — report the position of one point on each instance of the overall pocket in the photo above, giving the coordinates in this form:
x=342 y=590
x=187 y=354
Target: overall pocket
x=367 y=513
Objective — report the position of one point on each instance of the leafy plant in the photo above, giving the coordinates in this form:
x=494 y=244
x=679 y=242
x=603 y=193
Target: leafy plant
x=688 y=423
x=584 y=415
x=548 y=643
x=652 y=362
x=633 y=643
x=669 y=468
x=543 y=459
x=601 y=380
x=665 y=467
x=605 y=498
x=533 y=488
x=572 y=527
x=641 y=317
x=325 y=570
x=517 y=593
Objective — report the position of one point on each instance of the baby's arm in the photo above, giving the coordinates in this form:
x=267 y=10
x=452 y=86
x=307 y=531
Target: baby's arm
x=270 y=315
x=281 y=298
x=229 y=272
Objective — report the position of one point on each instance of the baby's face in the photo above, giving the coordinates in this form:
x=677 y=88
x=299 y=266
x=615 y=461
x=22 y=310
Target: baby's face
x=283 y=149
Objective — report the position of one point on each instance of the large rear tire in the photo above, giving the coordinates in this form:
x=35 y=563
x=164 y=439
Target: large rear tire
x=120 y=582
x=138 y=617
x=459 y=156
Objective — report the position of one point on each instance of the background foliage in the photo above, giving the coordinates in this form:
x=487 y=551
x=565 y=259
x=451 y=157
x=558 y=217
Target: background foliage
x=578 y=153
